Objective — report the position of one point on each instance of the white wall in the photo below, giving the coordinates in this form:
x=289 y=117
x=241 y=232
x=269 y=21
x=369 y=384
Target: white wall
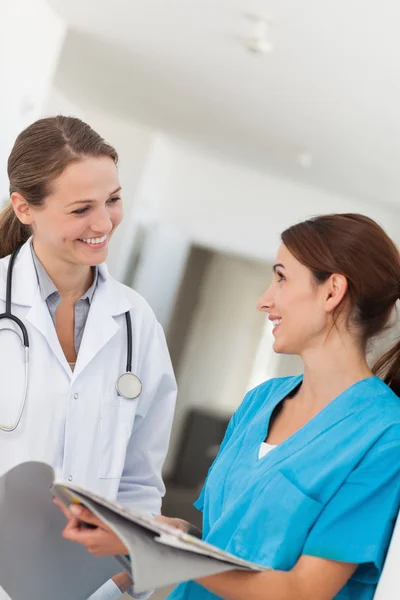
x=162 y=266
x=31 y=39
x=234 y=208
x=133 y=143
x=210 y=201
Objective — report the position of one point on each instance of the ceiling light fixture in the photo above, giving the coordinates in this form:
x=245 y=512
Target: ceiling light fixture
x=258 y=42
x=305 y=159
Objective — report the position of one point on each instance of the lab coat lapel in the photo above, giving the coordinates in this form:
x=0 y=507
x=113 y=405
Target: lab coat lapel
x=39 y=316
x=108 y=302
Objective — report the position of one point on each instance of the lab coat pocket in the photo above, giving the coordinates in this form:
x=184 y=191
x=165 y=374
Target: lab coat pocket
x=115 y=432
x=276 y=523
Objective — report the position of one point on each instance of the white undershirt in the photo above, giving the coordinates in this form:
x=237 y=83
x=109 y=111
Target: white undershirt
x=264 y=449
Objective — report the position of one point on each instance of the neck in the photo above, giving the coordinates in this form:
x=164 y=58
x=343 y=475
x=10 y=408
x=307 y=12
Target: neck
x=71 y=280
x=331 y=368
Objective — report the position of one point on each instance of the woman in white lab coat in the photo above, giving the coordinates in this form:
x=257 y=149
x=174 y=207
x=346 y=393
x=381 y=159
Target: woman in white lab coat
x=65 y=205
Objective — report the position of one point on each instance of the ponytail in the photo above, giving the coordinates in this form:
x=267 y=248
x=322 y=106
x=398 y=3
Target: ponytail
x=388 y=367
x=12 y=232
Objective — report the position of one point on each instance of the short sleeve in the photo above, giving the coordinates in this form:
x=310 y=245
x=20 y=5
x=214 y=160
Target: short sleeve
x=357 y=524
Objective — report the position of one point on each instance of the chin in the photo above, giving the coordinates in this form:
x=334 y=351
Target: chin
x=279 y=347
x=96 y=259
x=101 y=257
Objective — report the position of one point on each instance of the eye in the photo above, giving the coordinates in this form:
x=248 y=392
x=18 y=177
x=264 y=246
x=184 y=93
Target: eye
x=80 y=211
x=280 y=277
x=114 y=199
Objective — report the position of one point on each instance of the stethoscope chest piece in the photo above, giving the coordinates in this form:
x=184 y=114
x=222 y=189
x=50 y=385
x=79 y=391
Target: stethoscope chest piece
x=129 y=386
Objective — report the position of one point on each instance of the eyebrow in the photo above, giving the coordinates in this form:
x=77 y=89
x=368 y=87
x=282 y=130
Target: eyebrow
x=90 y=200
x=278 y=266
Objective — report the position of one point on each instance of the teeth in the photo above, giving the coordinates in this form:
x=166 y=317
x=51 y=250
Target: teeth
x=94 y=240
x=276 y=322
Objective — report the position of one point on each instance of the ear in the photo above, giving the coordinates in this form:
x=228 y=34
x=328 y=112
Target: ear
x=337 y=286
x=22 y=208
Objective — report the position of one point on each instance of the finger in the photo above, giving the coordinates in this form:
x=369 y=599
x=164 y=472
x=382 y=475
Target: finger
x=61 y=506
x=96 y=550
x=71 y=525
x=86 y=515
x=93 y=540
x=71 y=529
x=74 y=532
x=97 y=541
x=173 y=522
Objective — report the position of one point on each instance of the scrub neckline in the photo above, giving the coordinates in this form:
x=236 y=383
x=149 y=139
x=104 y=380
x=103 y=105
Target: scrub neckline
x=296 y=382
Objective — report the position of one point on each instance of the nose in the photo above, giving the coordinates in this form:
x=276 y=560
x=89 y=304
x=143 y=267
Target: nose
x=101 y=222
x=265 y=303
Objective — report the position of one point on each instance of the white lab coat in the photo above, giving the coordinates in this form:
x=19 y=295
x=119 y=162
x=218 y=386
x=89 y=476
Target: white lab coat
x=389 y=583
x=75 y=421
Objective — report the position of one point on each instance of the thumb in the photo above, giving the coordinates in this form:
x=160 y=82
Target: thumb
x=85 y=515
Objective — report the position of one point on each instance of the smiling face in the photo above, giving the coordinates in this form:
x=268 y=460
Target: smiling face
x=79 y=215
x=299 y=307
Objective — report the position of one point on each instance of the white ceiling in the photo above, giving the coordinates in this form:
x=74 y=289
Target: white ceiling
x=331 y=86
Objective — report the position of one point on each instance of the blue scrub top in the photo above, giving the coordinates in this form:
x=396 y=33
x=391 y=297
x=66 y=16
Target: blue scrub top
x=331 y=490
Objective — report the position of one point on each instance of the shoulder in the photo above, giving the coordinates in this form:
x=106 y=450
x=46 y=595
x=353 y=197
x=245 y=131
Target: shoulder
x=23 y=253
x=4 y=261
x=140 y=308
x=373 y=419
x=3 y=267
x=380 y=404
x=139 y=304
x=124 y=298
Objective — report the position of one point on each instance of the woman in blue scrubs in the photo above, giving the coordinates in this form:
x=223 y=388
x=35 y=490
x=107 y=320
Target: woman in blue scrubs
x=307 y=480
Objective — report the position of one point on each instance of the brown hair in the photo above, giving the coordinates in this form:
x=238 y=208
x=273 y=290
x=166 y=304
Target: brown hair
x=358 y=248
x=40 y=154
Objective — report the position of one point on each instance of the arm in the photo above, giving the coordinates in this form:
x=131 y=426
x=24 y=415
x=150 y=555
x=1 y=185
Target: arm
x=311 y=577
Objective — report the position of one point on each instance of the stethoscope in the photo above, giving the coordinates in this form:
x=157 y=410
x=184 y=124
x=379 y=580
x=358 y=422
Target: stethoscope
x=128 y=384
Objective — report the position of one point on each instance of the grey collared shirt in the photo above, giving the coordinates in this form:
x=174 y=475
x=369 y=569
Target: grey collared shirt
x=52 y=297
